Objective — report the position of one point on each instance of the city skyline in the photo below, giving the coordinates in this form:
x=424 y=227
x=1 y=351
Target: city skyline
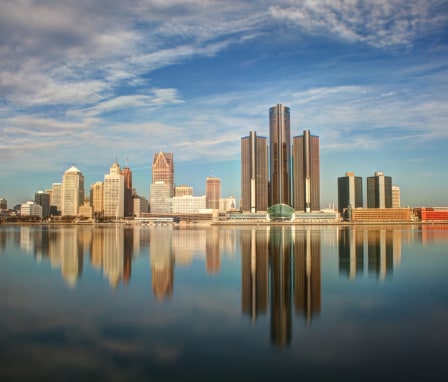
x=83 y=84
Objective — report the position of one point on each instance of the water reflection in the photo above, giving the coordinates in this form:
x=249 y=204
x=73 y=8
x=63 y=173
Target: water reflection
x=276 y=265
x=383 y=248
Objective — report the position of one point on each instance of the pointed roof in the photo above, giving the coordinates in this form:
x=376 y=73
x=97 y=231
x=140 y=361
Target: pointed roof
x=73 y=169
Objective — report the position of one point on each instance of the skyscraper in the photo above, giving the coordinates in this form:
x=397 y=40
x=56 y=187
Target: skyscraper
x=56 y=197
x=163 y=169
x=395 y=197
x=114 y=193
x=213 y=192
x=72 y=191
x=306 y=172
x=254 y=173
x=128 y=207
x=349 y=191
x=97 y=198
x=43 y=199
x=280 y=155
x=379 y=191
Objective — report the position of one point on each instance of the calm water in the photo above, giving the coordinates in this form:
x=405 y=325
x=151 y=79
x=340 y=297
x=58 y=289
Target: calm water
x=281 y=303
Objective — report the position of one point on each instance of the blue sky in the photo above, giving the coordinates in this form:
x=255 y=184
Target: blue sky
x=86 y=82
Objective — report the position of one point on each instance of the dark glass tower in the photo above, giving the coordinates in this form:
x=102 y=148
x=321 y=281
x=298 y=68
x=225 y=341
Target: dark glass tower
x=306 y=172
x=349 y=192
x=254 y=173
x=280 y=155
x=379 y=191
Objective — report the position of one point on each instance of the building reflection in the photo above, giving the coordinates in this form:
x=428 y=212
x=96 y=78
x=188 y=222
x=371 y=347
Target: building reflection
x=382 y=245
x=162 y=263
x=281 y=265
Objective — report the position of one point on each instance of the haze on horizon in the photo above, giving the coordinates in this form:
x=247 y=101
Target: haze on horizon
x=87 y=82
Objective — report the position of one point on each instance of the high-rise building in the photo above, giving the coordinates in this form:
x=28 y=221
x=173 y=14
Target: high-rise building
x=163 y=169
x=160 y=201
x=140 y=205
x=379 y=191
x=3 y=204
x=97 y=198
x=128 y=207
x=72 y=191
x=254 y=173
x=43 y=199
x=114 y=193
x=213 y=192
x=56 y=197
x=306 y=172
x=349 y=192
x=396 y=197
x=183 y=190
x=280 y=155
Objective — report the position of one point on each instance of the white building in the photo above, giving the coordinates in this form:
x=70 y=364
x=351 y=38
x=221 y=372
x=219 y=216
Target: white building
x=227 y=204
x=395 y=197
x=72 y=191
x=189 y=204
x=160 y=199
x=30 y=209
x=114 y=193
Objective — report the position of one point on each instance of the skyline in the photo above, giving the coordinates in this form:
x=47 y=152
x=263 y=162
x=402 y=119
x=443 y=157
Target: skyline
x=85 y=83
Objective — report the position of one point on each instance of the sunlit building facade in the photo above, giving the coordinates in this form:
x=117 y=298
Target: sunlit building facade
x=97 y=198
x=213 y=192
x=306 y=172
x=114 y=193
x=254 y=173
x=72 y=191
x=128 y=207
x=163 y=170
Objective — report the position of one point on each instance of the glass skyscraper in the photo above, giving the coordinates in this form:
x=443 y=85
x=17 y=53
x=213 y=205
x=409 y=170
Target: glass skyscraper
x=254 y=173
x=280 y=155
x=306 y=172
x=379 y=191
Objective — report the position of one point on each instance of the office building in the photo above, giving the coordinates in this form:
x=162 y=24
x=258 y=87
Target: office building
x=3 y=204
x=140 y=205
x=395 y=197
x=160 y=200
x=254 y=173
x=56 y=197
x=379 y=191
x=72 y=191
x=97 y=198
x=114 y=193
x=188 y=204
x=183 y=190
x=306 y=172
x=128 y=207
x=349 y=192
x=31 y=208
x=163 y=170
x=213 y=192
x=280 y=155
x=43 y=199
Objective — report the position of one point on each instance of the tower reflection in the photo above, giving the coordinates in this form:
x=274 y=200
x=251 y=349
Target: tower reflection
x=278 y=264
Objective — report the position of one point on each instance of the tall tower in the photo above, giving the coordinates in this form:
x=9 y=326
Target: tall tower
x=254 y=173
x=213 y=192
x=306 y=172
x=280 y=155
x=128 y=201
x=114 y=193
x=396 y=197
x=72 y=191
x=163 y=170
x=379 y=191
x=349 y=191
x=97 y=198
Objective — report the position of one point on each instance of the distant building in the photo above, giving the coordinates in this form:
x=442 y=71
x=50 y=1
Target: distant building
x=128 y=207
x=97 y=198
x=213 y=192
x=56 y=197
x=349 y=192
x=43 y=199
x=86 y=210
x=183 y=190
x=381 y=214
x=3 y=204
x=280 y=155
x=379 y=191
x=227 y=204
x=160 y=199
x=306 y=172
x=72 y=191
x=188 y=204
x=140 y=205
x=163 y=170
x=395 y=197
x=30 y=208
x=432 y=213
x=254 y=173
x=114 y=193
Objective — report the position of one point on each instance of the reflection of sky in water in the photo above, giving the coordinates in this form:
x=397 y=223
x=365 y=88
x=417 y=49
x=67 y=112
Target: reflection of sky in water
x=213 y=317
